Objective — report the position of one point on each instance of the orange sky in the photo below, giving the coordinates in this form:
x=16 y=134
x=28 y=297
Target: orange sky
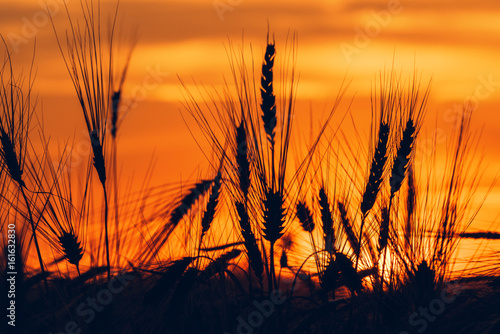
x=454 y=42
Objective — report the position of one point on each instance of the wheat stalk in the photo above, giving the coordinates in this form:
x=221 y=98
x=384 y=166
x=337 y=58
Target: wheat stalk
x=169 y=277
x=330 y=276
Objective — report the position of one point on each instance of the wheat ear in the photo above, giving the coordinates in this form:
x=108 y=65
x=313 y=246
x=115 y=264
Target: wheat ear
x=327 y=221
x=268 y=104
x=305 y=217
x=274 y=219
x=242 y=160
x=374 y=179
x=376 y=170
x=383 y=239
x=72 y=249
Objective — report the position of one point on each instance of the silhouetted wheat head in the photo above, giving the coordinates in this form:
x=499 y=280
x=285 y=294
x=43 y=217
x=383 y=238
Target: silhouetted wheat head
x=180 y=209
x=348 y=227
x=268 y=104
x=274 y=215
x=253 y=251
x=64 y=214
x=17 y=108
x=327 y=222
x=89 y=60
x=305 y=217
x=385 y=244
x=213 y=200
x=242 y=158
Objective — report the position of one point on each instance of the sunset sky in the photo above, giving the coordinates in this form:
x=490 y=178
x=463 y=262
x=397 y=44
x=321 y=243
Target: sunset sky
x=454 y=43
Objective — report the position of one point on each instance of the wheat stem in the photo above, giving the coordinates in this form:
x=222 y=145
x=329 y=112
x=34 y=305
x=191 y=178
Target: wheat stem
x=35 y=238
x=253 y=252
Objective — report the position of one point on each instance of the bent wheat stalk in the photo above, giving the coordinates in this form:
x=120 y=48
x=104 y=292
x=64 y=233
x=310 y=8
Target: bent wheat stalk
x=327 y=221
x=375 y=179
x=89 y=63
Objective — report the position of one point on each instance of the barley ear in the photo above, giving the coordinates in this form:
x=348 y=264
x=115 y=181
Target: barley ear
x=283 y=259
x=350 y=277
x=376 y=170
x=327 y=221
x=274 y=219
x=384 y=229
x=208 y=215
x=253 y=252
x=170 y=276
x=98 y=162
x=73 y=252
x=242 y=160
